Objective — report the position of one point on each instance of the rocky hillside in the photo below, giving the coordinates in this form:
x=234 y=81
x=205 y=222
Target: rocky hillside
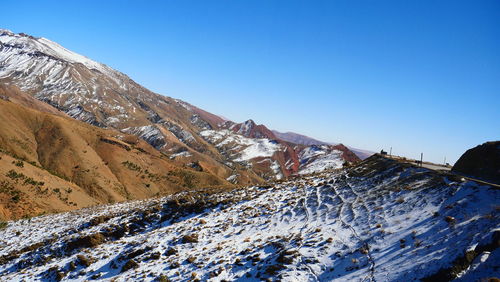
x=52 y=163
x=481 y=162
x=99 y=95
x=379 y=221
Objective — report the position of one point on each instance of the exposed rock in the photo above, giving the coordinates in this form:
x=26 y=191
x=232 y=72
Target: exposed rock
x=481 y=162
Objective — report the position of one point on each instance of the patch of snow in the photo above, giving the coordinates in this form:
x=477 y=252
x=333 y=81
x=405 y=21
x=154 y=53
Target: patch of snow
x=233 y=178
x=184 y=154
x=148 y=133
x=317 y=158
x=275 y=166
x=184 y=105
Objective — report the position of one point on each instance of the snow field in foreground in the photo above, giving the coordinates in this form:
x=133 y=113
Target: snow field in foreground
x=395 y=224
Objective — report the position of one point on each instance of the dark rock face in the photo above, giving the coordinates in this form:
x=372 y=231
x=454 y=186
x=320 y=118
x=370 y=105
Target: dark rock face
x=482 y=162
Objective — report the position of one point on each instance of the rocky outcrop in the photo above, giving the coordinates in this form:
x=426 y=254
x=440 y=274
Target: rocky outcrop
x=482 y=162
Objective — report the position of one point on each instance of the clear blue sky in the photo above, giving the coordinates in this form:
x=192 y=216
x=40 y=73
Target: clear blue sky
x=420 y=76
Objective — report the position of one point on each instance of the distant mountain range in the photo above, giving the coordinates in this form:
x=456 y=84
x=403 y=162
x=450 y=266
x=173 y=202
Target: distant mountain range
x=41 y=75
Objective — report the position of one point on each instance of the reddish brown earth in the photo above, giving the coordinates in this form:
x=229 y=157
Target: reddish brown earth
x=348 y=155
x=51 y=163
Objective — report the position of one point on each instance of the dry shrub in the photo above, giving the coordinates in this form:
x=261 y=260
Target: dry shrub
x=129 y=265
x=191 y=259
x=170 y=252
x=191 y=238
x=99 y=219
x=88 y=241
x=83 y=260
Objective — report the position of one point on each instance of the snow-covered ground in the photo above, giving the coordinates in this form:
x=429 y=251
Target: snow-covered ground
x=149 y=133
x=241 y=147
x=381 y=221
x=317 y=158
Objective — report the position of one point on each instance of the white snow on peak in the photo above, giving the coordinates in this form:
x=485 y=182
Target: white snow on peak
x=246 y=127
x=51 y=48
x=5 y=31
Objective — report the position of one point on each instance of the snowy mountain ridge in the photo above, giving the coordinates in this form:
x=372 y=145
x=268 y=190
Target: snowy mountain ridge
x=49 y=48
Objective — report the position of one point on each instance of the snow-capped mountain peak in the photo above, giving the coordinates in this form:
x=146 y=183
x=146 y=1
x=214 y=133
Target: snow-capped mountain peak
x=37 y=45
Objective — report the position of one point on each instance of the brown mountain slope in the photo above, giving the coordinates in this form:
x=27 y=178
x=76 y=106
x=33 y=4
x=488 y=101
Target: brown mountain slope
x=14 y=94
x=52 y=163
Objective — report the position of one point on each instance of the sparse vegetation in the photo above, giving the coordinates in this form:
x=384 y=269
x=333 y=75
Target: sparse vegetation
x=191 y=238
x=16 y=198
x=55 y=173
x=132 y=166
x=85 y=261
x=163 y=278
x=88 y=241
x=33 y=182
x=130 y=265
x=3 y=225
x=170 y=251
x=12 y=174
x=186 y=177
x=99 y=220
